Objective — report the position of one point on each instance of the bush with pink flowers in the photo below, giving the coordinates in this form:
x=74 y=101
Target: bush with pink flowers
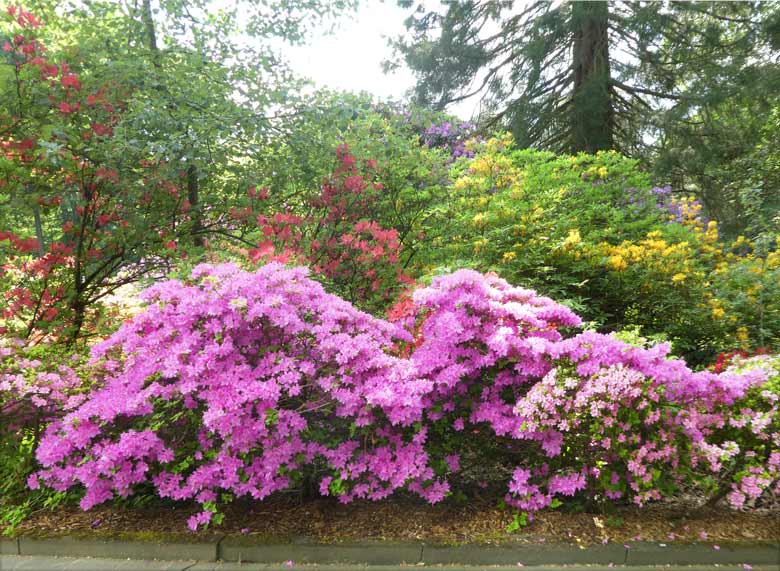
x=243 y=384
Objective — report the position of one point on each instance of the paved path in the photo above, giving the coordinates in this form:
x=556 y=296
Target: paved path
x=40 y=563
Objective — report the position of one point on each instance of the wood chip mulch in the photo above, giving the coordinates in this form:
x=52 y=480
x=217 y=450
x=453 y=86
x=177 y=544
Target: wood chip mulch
x=400 y=519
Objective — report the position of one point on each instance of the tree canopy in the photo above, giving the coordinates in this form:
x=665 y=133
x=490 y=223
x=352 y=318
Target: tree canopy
x=587 y=76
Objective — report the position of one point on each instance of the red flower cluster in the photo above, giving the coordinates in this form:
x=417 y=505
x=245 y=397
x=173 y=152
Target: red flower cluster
x=340 y=240
x=726 y=358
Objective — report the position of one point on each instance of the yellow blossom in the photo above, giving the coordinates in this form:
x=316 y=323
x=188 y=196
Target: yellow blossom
x=462 y=183
x=573 y=238
x=617 y=263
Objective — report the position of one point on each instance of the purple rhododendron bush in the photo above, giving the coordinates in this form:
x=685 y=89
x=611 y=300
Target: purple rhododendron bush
x=238 y=383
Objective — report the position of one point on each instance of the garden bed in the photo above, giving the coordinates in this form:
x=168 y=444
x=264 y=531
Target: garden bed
x=326 y=521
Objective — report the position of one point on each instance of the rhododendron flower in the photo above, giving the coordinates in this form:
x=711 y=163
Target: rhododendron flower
x=71 y=80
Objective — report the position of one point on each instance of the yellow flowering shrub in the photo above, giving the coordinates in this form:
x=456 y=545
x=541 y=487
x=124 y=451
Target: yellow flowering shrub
x=590 y=230
x=728 y=291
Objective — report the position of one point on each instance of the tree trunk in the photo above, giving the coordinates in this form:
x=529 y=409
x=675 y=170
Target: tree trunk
x=79 y=309
x=39 y=230
x=592 y=113
x=193 y=198
x=151 y=35
x=193 y=187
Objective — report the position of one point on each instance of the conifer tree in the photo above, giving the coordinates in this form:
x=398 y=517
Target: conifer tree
x=585 y=76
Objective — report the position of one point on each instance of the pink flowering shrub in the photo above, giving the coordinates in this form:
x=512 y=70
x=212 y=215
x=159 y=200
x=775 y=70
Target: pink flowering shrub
x=242 y=384
x=236 y=382
x=625 y=422
x=744 y=436
x=588 y=415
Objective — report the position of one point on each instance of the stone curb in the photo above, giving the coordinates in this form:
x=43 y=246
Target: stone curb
x=368 y=553
x=694 y=554
x=41 y=563
x=233 y=549
x=9 y=546
x=525 y=554
x=118 y=549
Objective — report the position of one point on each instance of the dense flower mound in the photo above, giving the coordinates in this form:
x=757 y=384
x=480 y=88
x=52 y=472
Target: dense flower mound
x=239 y=383
x=472 y=324
x=233 y=383
x=587 y=414
x=750 y=431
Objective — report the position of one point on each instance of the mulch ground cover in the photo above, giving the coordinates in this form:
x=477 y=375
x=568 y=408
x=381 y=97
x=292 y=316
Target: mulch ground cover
x=481 y=522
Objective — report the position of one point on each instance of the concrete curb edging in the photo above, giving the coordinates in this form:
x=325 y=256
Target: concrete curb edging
x=119 y=549
x=693 y=554
x=230 y=549
x=368 y=553
x=525 y=554
x=9 y=546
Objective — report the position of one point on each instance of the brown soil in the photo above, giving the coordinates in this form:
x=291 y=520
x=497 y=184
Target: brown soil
x=324 y=520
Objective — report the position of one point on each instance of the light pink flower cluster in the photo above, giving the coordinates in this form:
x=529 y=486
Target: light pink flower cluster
x=585 y=413
x=243 y=382
x=749 y=431
x=35 y=386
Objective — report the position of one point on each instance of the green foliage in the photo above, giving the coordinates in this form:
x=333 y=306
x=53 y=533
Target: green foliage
x=518 y=212
x=140 y=158
x=736 y=173
x=519 y=521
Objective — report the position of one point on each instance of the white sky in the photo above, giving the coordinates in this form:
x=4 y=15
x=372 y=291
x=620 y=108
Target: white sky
x=351 y=58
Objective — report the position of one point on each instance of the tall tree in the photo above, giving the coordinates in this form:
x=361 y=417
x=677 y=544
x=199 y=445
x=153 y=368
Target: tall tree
x=130 y=135
x=722 y=145
x=583 y=76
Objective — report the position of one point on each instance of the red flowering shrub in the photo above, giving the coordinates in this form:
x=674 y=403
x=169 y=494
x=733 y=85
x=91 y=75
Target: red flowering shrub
x=101 y=219
x=338 y=240
x=725 y=359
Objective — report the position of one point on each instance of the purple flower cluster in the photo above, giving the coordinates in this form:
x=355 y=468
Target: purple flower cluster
x=240 y=382
x=681 y=209
x=220 y=385
x=450 y=136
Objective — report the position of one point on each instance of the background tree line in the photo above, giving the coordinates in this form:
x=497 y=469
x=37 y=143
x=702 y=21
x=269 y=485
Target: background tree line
x=688 y=87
